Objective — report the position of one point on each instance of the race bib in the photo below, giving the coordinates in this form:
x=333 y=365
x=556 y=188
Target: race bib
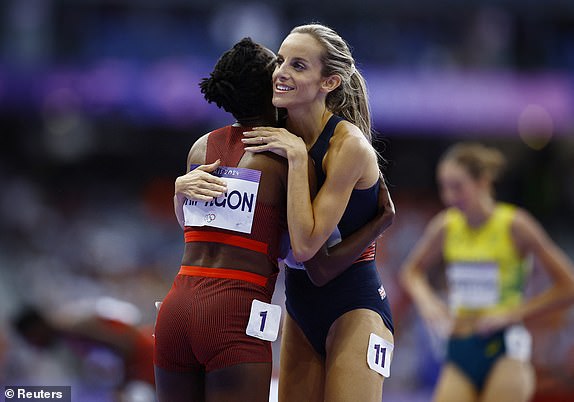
x=518 y=342
x=235 y=209
x=379 y=355
x=264 y=320
x=473 y=285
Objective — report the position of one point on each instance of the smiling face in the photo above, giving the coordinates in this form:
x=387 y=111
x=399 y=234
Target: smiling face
x=297 y=79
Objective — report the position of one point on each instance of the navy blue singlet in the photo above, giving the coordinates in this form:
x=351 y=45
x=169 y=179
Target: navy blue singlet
x=315 y=308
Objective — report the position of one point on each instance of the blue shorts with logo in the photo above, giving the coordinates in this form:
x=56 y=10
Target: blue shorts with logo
x=315 y=308
x=475 y=355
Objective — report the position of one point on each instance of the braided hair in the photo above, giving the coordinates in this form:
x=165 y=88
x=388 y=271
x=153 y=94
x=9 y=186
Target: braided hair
x=240 y=82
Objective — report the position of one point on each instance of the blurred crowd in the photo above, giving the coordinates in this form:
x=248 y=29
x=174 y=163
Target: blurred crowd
x=87 y=164
x=77 y=254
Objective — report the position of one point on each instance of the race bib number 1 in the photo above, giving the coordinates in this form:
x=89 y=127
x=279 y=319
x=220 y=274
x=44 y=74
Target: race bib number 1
x=379 y=355
x=264 y=321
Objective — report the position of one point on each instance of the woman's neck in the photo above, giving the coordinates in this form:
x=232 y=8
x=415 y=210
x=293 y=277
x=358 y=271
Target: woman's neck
x=308 y=123
x=269 y=119
x=482 y=212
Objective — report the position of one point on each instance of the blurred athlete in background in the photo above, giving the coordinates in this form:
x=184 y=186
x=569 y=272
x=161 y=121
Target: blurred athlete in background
x=487 y=247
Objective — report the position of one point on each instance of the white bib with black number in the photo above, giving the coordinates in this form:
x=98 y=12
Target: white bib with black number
x=264 y=320
x=379 y=355
x=473 y=285
x=518 y=342
x=235 y=209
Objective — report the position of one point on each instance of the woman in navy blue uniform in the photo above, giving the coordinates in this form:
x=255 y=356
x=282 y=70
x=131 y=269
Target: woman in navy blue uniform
x=337 y=339
x=202 y=349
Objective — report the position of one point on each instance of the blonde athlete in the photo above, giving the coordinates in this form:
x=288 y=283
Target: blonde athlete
x=203 y=349
x=485 y=246
x=337 y=337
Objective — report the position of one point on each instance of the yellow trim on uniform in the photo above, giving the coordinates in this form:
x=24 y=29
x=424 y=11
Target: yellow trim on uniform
x=490 y=243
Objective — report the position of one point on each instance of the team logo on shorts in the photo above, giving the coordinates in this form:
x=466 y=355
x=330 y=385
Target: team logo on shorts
x=382 y=292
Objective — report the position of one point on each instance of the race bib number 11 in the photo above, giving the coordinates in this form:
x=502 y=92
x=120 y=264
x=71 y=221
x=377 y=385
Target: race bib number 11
x=379 y=355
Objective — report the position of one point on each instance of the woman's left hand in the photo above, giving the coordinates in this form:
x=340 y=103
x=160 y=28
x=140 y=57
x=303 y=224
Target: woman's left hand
x=276 y=140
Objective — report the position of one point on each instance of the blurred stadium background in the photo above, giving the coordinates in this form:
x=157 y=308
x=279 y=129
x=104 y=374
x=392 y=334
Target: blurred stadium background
x=99 y=105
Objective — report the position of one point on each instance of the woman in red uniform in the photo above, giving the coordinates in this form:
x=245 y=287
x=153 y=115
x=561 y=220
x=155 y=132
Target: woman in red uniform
x=212 y=339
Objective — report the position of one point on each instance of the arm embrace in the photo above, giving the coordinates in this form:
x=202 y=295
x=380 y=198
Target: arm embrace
x=198 y=184
x=350 y=162
x=330 y=262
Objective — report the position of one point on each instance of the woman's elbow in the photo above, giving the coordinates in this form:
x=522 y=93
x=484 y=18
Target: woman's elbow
x=302 y=253
x=568 y=292
x=388 y=218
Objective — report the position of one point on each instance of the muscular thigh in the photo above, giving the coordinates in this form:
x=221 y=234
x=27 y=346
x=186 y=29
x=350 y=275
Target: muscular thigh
x=348 y=376
x=301 y=369
x=454 y=386
x=175 y=386
x=241 y=382
x=509 y=379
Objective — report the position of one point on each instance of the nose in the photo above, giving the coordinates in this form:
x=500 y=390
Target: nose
x=280 y=71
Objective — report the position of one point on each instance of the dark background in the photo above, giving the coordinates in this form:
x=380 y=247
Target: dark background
x=99 y=105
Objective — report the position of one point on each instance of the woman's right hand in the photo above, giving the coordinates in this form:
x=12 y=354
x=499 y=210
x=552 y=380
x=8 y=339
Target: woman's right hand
x=199 y=184
x=276 y=140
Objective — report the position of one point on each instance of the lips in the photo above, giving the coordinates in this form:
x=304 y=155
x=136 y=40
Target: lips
x=283 y=88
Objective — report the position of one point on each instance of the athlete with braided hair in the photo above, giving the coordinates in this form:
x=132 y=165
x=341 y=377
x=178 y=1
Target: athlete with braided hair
x=214 y=326
x=202 y=351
